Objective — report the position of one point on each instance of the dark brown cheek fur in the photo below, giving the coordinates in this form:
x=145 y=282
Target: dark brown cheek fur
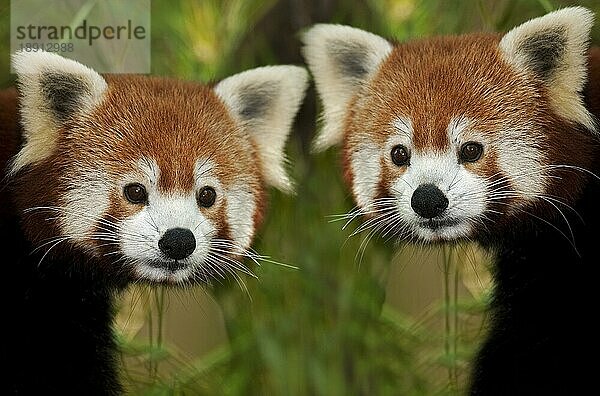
x=36 y=186
x=346 y=161
x=385 y=180
x=10 y=141
x=118 y=210
x=219 y=218
x=488 y=169
x=389 y=173
x=261 y=197
x=576 y=148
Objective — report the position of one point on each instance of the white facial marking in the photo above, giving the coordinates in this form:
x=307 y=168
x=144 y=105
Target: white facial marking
x=140 y=233
x=365 y=162
x=240 y=214
x=404 y=127
x=521 y=160
x=458 y=130
x=85 y=202
x=366 y=171
x=464 y=190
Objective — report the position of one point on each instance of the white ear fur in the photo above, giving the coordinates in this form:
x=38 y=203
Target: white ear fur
x=265 y=100
x=52 y=90
x=554 y=48
x=341 y=59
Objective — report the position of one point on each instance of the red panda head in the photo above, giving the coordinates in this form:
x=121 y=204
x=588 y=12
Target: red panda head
x=447 y=136
x=161 y=179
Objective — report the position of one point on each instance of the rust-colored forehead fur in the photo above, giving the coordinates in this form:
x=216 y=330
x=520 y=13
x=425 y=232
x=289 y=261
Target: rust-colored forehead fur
x=175 y=123
x=430 y=81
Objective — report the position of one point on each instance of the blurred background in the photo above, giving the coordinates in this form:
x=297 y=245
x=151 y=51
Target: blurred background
x=360 y=315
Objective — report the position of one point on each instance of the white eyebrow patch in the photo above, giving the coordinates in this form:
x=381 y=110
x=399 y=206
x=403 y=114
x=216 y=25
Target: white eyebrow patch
x=462 y=129
x=402 y=133
x=203 y=169
x=404 y=127
x=150 y=169
x=457 y=128
x=205 y=176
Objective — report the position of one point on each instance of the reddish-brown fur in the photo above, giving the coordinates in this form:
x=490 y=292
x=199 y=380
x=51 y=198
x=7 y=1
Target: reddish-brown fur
x=172 y=122
x=432 y=80
x=61 y=312
x=540 y=327
x=10 y=139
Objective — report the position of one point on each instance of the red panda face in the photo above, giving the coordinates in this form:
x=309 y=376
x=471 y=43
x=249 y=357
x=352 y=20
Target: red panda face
x=427 y=142
x=161 y=179
x=450 y=137
x=171 y=172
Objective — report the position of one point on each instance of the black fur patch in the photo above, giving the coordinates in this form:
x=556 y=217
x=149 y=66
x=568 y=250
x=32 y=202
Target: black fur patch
x=351 y=58
x=255 y=100
x=545 y=51
x=63 y=92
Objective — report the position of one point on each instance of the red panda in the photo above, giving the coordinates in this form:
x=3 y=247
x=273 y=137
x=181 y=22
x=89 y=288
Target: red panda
x=115 y=179
x=491 y=138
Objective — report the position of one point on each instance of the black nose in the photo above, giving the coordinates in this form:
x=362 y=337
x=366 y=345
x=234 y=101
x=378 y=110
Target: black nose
x=428 y=201
x=177 y=243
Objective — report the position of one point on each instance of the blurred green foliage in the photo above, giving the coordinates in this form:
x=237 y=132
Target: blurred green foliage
x=325 y=328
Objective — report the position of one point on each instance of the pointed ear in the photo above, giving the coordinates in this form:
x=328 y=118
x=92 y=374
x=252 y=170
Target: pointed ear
x=52 y=91
x=554 y=48
x=265 y=100
x=341 y=59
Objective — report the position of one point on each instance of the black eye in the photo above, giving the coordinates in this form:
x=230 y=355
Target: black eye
x=400 y=155
x=135 y=193
x=471 y=152
x=206 y=197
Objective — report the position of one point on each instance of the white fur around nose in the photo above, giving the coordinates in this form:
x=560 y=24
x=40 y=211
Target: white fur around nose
x=140 y=233
x=465 y=191
x=164 y=213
